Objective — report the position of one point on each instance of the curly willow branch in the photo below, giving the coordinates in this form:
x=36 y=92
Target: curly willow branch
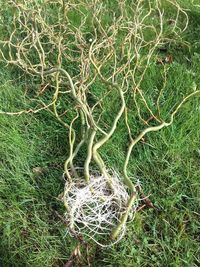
x=100 y=46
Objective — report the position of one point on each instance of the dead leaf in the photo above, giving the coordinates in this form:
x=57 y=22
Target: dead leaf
x=147 y=201
x=70 y=263
x=38 y=170
x=169 y=59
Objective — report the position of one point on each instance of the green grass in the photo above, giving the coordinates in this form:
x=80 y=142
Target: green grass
x=167 y=165
x=31 y=234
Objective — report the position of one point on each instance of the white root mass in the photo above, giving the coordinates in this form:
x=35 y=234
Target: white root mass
x=94 y=209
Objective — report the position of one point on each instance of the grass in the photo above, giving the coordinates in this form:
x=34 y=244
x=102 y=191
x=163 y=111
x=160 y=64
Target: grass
x=30 y=231
x=167 y=165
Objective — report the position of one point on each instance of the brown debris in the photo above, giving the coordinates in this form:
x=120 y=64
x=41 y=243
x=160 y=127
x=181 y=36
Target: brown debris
x=43 y=88
x=38 y=170
x=146 y=202
x=74 y=258
x=167 y=60
x=70 y=263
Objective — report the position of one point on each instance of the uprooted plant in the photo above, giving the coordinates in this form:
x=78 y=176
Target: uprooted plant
x=73 y=47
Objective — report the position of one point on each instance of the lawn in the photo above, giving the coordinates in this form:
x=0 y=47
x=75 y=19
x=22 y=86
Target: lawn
x=34 y=147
